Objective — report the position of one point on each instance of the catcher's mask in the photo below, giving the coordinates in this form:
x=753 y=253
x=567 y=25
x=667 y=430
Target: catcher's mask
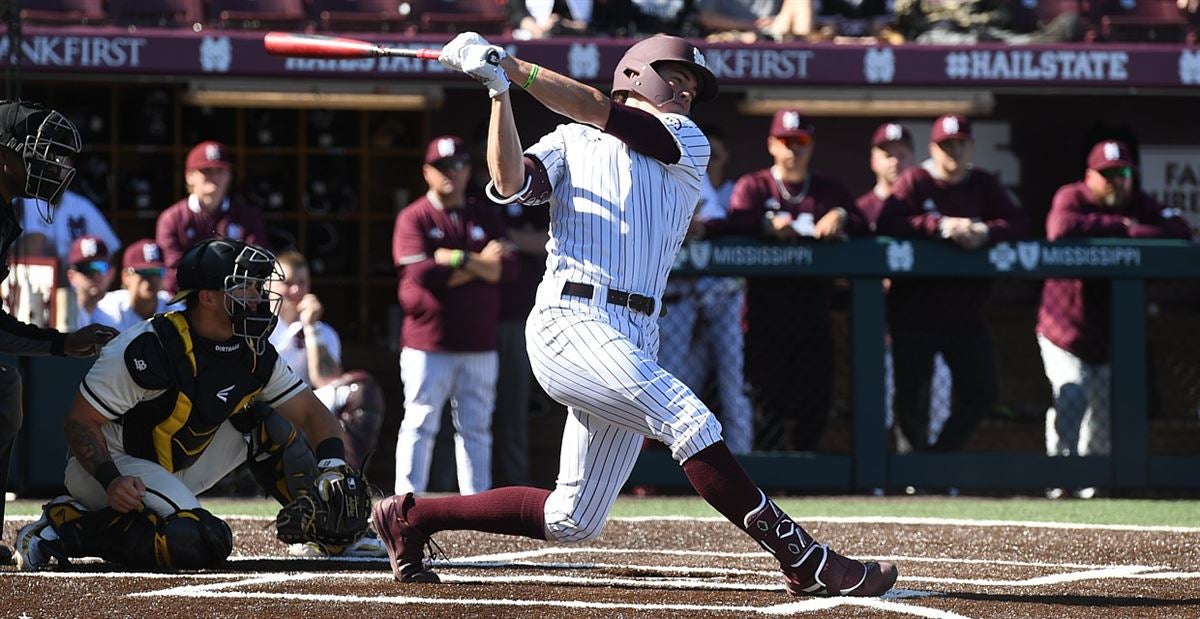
x=46 y=140
x=637 y=70
x=244 y=273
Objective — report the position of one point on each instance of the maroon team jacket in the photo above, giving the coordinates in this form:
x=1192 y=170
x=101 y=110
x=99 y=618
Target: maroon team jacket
x=439 y=318
x=1074 y=314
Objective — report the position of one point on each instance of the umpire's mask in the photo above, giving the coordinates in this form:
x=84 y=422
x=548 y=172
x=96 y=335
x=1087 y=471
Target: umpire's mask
x=46 y=140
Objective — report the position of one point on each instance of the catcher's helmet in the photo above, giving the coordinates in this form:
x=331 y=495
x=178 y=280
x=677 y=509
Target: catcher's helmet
x=636 y=73
x=244 y=273
x=45 y=139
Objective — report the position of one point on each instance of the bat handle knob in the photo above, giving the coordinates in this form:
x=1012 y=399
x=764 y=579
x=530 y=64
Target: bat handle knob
x=493 y=57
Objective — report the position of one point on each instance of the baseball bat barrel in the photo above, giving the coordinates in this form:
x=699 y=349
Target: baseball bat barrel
x=319 y=46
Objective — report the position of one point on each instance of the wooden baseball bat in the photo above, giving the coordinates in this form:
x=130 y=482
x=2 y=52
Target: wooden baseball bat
x=318 y=46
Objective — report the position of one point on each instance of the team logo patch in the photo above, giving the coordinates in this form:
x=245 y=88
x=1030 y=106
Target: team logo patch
x=445 y=147
x=950 y=125
x=212 y=152
x=477 y=233
x=894 y=132
x=1112 y=151
x=139 y=364
x=88 y=248
x=791 y=121
x=235 y=231
x=698 y=57
x=151 y=253
x=436 y=233
x=772 y=204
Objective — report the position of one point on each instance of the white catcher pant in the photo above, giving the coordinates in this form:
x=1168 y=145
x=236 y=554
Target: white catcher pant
x=166 y=493
x=468 y=381
x=1078 y=423
x=599 y=361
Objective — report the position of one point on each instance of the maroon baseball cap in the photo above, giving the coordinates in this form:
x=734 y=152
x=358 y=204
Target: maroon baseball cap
x=446 y=147
x=891 y=132
x=791 y=124
x=208 y=154
x=87 y=249
x=1109 y=154
x=143 y=254
x=950 y=127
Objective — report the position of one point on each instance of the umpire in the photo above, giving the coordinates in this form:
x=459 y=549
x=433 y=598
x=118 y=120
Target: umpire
x=33 y=164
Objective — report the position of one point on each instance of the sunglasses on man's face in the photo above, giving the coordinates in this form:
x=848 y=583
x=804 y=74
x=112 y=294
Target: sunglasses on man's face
x=450 y=165
x=93 y=268
x=149 y=272
x=1113 y=174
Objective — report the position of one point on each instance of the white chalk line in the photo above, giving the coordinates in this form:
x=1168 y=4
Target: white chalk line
x=815 y=605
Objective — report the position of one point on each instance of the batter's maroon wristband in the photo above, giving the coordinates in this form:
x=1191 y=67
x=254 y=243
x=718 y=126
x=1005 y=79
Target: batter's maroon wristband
x=106 y=473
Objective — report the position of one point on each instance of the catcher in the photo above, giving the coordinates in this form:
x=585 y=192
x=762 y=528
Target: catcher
x=176 y=403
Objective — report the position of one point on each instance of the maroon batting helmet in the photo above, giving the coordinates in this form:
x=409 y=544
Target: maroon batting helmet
x=636 y=73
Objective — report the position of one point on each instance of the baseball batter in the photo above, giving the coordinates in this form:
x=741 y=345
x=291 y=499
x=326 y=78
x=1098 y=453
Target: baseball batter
x=621 y=182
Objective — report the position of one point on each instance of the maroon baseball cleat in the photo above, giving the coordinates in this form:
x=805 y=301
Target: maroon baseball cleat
x=822 y=571
x=404 y=542
x=809 y=567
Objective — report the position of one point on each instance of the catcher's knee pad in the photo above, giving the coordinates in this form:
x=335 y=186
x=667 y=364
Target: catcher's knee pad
x=359 y=406
x=280 y=459
x=192 y=539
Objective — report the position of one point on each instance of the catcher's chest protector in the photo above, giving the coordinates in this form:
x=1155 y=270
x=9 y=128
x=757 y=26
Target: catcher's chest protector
x=204 y=383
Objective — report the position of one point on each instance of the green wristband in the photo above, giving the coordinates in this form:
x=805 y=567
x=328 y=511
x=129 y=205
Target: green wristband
x=533 y=71
x=457 y=258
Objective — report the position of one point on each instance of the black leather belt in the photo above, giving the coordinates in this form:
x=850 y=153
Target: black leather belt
x=632 y=300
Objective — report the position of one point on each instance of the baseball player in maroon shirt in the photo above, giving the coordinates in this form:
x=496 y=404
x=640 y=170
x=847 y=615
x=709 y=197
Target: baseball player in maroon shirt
x=789 y=339
x=1073 y=320
x=448 y=245
x=208 y=212
x=946 y=198
x=891 y=155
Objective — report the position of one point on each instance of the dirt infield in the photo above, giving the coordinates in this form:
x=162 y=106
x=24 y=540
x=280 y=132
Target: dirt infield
x=659 y=568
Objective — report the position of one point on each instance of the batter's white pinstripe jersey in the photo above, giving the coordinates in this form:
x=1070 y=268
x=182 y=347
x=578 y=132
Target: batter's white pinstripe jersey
x=618 y=217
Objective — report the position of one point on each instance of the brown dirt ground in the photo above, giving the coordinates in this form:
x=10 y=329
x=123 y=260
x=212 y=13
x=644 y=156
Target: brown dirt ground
x=59 y=595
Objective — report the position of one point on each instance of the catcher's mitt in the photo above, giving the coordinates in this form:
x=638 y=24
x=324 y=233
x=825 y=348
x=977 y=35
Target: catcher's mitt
x=332 y=513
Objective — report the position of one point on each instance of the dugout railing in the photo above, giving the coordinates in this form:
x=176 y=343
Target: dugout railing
x=864 y=263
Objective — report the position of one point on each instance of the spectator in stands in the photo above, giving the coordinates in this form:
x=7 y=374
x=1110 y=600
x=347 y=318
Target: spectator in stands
x=1073 y=320
x=52 y=233
x=946 y=198
x=89 y=273
x=752 y=20
x=891 y=155
x=540 y=19
x=701 y=334
x=141 y=294
x=313 y=349
x=208 y=211
x=448 y=248
x=856 y=18
x=966 y=22
x=789 y=343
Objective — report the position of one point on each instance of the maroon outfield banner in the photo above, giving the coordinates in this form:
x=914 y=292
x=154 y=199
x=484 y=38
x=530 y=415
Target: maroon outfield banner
x=184 y=53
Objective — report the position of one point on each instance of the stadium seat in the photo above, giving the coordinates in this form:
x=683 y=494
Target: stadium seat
x=63 y=12
x=255 y=14
x=162 y=13
x=366 y=15
x=1157 y=21
x=483 y=16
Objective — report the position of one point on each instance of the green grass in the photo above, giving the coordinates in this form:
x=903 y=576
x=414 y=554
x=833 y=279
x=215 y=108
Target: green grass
x=1184 y=513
